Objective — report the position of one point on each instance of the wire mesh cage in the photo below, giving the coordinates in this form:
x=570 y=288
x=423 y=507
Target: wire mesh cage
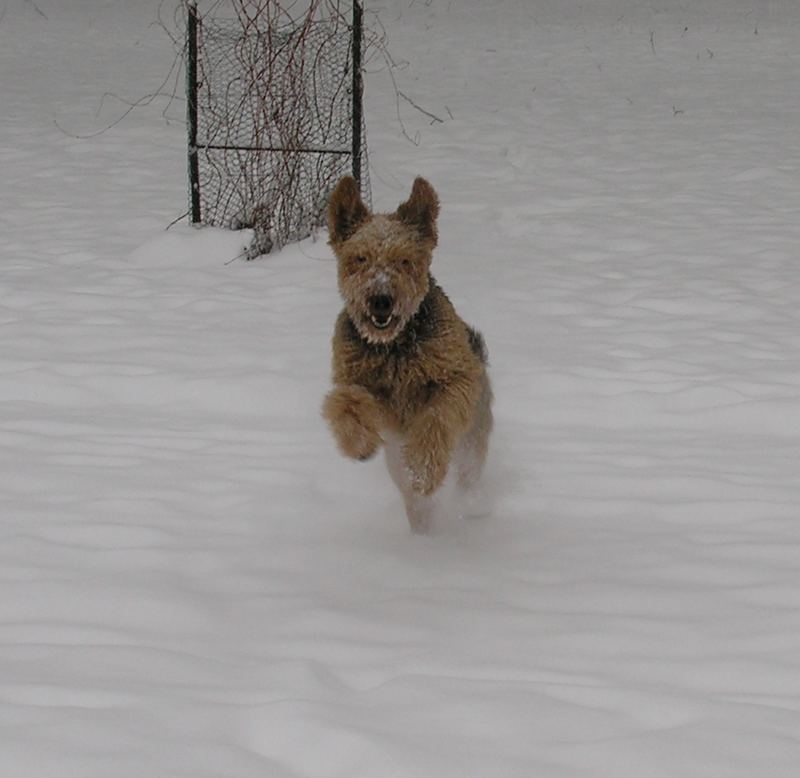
x=275 y=120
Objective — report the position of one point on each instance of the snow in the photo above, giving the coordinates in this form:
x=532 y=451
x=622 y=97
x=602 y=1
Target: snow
x=194 y=583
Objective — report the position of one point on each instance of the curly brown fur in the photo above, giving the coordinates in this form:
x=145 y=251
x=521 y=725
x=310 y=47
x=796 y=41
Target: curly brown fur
x=407 y=370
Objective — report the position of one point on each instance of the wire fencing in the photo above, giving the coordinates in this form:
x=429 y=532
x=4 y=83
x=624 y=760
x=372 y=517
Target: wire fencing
x=275 y=115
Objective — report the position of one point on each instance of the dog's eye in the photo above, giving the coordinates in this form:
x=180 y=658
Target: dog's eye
x=360 y=260
x=406 y=263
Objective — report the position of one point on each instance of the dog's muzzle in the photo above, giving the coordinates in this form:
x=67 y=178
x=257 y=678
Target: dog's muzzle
x=380 y=310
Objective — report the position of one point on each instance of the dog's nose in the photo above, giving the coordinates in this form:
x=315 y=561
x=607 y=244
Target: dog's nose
x=380 y=306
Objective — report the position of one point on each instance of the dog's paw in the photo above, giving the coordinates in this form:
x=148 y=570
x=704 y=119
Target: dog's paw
x=355 y=420
x=427 y=456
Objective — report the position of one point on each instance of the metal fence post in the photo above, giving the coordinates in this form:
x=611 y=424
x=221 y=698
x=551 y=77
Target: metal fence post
x=191 y=108
x=358 y=86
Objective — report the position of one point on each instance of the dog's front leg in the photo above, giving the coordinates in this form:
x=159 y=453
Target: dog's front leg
x=431 y=435
x=419 y=508
x=356 y=419
x=427 y=453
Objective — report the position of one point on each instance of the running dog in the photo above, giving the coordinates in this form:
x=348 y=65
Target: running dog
x=408 y=372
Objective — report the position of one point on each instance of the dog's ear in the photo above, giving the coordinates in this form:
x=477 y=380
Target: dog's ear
x=421 y=209
x=346 y=210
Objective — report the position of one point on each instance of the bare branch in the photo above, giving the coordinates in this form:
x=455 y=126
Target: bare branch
x=433 y=117
x=38 y=10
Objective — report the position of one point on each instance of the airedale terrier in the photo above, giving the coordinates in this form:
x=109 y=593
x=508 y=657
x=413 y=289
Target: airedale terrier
x=408 y=372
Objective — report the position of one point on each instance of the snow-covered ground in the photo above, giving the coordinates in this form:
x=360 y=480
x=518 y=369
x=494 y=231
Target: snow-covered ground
x=193 y=582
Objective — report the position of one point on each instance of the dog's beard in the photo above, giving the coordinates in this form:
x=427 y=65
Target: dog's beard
x=378 y=331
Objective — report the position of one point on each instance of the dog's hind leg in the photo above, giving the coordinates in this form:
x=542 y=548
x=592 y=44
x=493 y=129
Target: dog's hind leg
x=474 y=445
x=419 y=508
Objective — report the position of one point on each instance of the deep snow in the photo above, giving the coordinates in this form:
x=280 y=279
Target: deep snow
x=195 y=584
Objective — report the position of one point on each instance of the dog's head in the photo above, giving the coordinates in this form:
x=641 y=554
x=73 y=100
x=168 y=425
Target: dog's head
x=383 y=259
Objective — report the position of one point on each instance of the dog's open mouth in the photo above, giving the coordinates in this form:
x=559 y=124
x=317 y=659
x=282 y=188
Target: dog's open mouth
x=380 y=309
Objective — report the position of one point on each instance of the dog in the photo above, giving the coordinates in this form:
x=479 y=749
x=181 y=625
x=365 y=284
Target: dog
x=408 y=372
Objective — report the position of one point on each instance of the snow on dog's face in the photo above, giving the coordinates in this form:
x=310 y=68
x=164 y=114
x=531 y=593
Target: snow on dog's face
x=383 y=259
